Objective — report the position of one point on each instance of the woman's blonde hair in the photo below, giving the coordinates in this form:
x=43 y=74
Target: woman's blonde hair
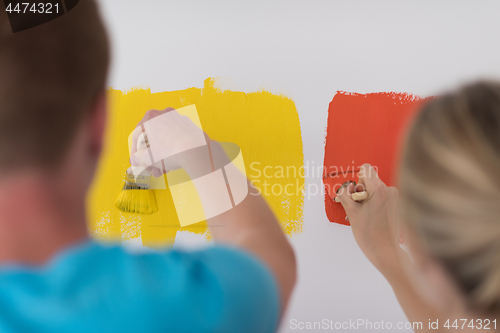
x=450 y=188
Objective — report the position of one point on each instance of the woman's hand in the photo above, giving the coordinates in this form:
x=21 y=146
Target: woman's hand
x=373 y=221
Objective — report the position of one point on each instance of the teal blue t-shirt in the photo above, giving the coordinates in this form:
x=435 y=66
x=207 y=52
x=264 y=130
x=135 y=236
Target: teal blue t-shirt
x=92 y=288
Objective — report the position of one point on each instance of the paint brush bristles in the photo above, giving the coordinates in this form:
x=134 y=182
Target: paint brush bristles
x=136 y=196
x=137 y=201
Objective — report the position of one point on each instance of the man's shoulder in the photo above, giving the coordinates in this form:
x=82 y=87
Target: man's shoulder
x=93 y=284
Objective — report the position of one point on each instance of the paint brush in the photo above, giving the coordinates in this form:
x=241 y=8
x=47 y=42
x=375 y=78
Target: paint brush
x=356 y=196
x=359 y=196
x=137 y=195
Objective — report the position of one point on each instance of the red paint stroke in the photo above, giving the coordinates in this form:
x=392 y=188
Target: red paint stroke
x=363 y=128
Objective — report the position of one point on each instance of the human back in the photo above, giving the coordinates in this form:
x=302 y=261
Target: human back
x=53 y=276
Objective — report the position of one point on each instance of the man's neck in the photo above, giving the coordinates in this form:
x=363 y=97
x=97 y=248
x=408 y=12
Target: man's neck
x=38 y=218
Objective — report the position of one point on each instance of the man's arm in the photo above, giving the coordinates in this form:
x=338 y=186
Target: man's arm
x=250 y=225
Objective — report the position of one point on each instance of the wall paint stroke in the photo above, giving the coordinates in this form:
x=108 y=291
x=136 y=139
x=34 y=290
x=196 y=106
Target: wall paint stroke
x=363 y=128
x=266 y=127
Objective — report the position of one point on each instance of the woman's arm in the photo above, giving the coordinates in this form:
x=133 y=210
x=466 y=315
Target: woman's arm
x=377 y=231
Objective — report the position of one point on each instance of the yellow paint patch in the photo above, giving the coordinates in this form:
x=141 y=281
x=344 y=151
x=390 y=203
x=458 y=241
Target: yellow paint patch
x=264 y=125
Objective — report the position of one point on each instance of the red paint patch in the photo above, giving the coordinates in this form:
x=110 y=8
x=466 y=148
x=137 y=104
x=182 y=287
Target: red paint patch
x=363 y=128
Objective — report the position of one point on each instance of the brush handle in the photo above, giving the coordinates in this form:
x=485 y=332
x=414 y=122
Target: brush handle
x=359 y=196
x=356 y=196
x=144 y=173
x=141 y=142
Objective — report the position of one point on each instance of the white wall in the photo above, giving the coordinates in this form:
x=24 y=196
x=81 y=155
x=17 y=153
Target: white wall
x=308 y=50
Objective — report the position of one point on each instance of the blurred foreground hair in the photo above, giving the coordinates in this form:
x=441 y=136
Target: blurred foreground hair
x=49 y=77
x=450 y=188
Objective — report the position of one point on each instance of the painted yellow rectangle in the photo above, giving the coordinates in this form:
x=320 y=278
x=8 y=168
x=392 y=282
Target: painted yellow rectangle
x=264 y=125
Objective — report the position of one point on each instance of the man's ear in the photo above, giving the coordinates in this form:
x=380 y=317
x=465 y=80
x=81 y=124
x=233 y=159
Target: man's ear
x=97 y=123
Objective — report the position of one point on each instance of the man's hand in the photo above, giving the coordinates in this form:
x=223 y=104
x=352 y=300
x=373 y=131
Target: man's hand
x=170 y=138
x=373 y=221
